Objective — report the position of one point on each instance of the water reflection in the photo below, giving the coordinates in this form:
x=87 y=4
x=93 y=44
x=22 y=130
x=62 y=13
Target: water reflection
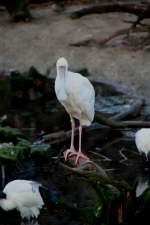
x=114 y=150
x=33 y=222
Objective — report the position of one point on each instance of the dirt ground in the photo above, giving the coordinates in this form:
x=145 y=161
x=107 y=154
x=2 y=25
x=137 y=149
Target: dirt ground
x=48 y=36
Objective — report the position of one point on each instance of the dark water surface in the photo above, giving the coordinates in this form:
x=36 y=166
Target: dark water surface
x=34 y=111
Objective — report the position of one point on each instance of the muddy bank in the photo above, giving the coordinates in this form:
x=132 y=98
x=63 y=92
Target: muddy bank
x=48 y=36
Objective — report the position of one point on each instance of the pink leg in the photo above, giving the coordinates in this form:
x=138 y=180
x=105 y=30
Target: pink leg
x=80 y=155
x=71 y=151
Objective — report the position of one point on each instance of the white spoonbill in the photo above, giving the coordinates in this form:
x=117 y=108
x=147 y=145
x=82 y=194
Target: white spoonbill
x=142 y=140
x=24 y=196
x=77 y=95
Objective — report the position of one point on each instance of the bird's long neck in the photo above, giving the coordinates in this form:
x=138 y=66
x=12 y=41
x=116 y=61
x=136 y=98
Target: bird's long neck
x=62 y=74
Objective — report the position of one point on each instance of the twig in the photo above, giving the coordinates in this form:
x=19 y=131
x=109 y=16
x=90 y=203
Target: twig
x=123 y=156
x=96 y=42
x=125 y=31
x=96 y=176
x=57 y=137
x=100 y=155
x=60 y=136
x=120 y=124
x=82 y=169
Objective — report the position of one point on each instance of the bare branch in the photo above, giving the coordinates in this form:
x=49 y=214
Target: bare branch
x=126 y=31
x=61 y=136
x=142 y=10
x=120 y=124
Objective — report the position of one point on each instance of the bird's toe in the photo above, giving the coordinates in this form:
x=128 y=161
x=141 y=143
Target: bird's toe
x=80 y=158
x=69 y=152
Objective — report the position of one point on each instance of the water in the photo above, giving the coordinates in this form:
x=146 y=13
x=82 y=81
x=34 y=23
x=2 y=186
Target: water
x=30 y=105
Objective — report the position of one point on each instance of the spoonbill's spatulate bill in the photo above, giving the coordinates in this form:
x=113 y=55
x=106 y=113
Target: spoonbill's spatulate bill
x=76 y=93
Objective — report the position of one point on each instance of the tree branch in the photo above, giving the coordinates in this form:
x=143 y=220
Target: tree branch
x=142 y=10
x=120 y=124
x=61 y=136
x=133 y=110
x=91 y=175
x=125 y=31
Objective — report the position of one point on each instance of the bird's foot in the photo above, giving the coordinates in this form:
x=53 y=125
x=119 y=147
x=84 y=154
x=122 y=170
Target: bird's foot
x=69 y=152
x=80 y=158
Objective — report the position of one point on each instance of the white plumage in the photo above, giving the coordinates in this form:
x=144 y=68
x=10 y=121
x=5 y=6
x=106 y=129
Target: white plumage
x=77 y=95
x=142 y=140
x=24 y=196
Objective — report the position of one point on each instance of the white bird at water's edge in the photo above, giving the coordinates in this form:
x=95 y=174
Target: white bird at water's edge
x=76 y=93
x=142 y=140
x=23 y=195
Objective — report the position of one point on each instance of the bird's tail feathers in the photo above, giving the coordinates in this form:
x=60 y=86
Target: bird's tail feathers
x=29 y=212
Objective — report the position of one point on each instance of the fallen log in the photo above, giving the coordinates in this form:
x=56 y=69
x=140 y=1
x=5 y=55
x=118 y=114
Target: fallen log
x=98 y=175
x=92 y=134
x=98 y=131
x=120 y=124
x=57 y=137
x=141 y=10
x=133 y=110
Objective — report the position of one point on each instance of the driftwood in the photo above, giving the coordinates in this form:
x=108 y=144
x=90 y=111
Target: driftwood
x=133 y=110
x=61 y=136
x=126 y=31
x=141 y=10
x=87 y=168
x=114 y=120
x=57 y=137
x=98 y=131
x=127 y=124
x=99 y=176
x=120 y=124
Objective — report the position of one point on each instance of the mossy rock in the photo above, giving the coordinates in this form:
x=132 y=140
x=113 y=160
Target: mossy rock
x=8 y=134
x=10 y=152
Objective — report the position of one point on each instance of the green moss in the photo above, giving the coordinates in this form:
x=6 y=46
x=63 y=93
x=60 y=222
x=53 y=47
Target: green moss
x=11 y=152
x=146 y=196
x=10 y=132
